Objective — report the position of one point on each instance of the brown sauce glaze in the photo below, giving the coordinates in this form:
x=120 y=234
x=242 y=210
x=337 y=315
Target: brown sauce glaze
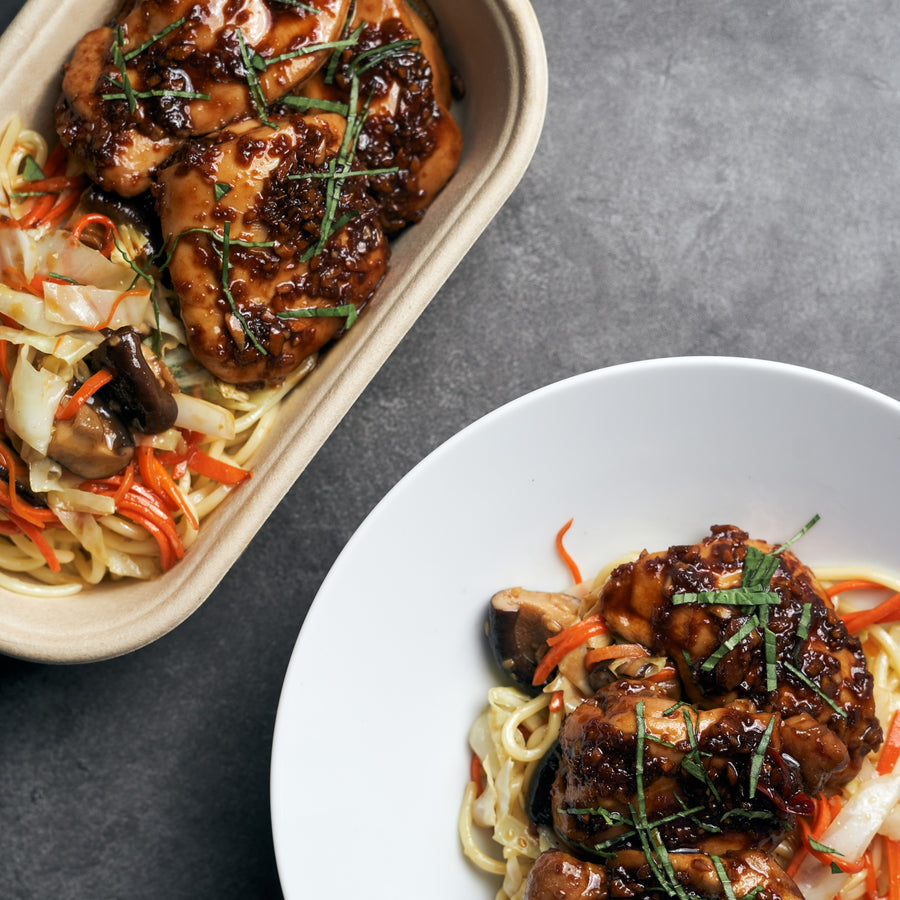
x=831 y=723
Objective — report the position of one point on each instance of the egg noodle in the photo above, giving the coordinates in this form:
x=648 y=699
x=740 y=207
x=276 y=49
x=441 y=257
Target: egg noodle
x=56 y=296
x=515 y=730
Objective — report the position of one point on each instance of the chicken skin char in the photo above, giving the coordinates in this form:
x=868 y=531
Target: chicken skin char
x=556 y=875
x=829 y=724
x=695 y=777
x=121 y=147
x=269 y=202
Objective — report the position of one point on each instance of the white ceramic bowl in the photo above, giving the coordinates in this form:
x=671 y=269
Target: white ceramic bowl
x=496 y=45
x=370 y=759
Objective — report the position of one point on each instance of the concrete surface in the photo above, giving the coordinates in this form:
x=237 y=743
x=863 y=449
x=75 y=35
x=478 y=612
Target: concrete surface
x=714 y=178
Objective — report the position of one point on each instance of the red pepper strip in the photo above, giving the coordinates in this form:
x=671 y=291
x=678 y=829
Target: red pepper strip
x=476 y=773
x=890 y=749
x=886 y=611
x=84 y=393
x=561 y=550
x=565 y=642
x=613 y=651
x=4 y=367
x=556 y=702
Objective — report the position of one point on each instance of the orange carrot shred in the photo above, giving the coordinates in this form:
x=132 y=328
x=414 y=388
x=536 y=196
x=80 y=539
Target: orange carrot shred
x=564 y=554
x=564 y=642
x=614 y=651
x=84 y=393
x=890 y=749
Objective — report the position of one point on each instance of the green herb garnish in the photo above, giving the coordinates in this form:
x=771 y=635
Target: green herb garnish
x=303 y=6
x=759 y=754
x=131 y=54
x=692 y=762
x=723 y=877
x=220 y=190
x=803 y=677
x=367 y=59
x=346 y=309
x=713 y=659
x=63 y=278
x=306 y=103
x=31 y=171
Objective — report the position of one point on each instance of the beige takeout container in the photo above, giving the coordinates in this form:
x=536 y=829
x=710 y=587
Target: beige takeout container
x=496 y=46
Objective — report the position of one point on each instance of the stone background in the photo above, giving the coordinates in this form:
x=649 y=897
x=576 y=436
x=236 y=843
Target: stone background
x=714 y=177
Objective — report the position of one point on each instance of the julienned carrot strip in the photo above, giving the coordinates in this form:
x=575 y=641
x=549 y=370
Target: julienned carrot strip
x=556 y=702
x=125 y=484
x=886 y=611
x=4 y=367
x=890 y=749
x=84 y=393
x=565 y=642
x=561 y=550
x=856 y=584
x=56 y=161
x=16 y=505
x=162 y=540
x=663 y=674
x=223 y=472
x=97 y=219
x=40 y=517
x=65 y=204
x=613 y=651
x=163 y=483
x=55 y=184
x=142 y=507
x=42 y=206
x=871 y=876
x=893 y=867
x=33 y=532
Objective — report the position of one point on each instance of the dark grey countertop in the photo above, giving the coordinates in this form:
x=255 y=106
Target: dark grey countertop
x=713 y=178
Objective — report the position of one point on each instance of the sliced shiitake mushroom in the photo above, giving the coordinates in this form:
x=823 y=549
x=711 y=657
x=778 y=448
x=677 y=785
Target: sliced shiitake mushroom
x=139 y=392
x=93 y=444
x=518 y=625
x=537 y=799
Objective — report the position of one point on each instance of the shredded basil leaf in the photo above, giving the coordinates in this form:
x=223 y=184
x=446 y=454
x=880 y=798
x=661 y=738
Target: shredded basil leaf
x=759 y=755
x=747 y=628
x=31 y=171
x=221 y=189
x=802 y=676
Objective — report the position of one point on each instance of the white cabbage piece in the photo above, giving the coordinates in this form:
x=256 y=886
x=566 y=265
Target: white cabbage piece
x=86 y=306
x=34 y=397
x=849 y=835
x=207 y=418
x=27 y=310
x=34 y=252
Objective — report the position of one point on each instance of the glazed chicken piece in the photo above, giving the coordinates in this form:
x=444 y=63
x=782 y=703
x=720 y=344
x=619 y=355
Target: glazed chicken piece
x=711 y=780
x=253 y=182
x=558 y=876
x=407 y=95
x=167 y=70
x=823 y=689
